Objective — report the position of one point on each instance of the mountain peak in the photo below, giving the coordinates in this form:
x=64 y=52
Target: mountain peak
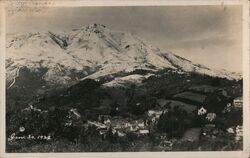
x=94 y=25
x=91 y=27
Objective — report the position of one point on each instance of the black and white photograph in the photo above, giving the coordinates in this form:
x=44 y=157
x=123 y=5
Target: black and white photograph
x=166 y=78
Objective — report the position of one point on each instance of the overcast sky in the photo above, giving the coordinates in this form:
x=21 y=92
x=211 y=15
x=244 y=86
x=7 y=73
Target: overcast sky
x=210 y=35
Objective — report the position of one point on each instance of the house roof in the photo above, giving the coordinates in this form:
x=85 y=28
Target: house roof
x=239 y=98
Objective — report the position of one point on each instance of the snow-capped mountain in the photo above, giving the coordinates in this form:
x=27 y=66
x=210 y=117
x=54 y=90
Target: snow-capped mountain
x=92 y=51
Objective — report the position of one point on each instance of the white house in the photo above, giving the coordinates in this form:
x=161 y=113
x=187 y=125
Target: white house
x=238 y=102
x=141 y=124
x=144 y=132
x=107 y=121
x=98 y=125
x=156 y=113
x=121 y=134
x=202 y=111
x=134 y=128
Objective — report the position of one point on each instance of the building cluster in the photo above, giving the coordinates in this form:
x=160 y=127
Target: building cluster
x=123 y=126
x=120 y=126
x=236 y=104
x=236 y=131
x=211 y=132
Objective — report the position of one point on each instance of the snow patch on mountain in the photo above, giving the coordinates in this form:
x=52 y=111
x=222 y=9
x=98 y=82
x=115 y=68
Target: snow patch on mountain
x=130 y=79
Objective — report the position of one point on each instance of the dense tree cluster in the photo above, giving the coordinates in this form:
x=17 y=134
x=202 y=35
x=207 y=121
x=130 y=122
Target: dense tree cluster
x=174 y=122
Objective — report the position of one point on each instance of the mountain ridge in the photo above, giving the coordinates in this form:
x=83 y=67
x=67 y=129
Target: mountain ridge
x=94 y=51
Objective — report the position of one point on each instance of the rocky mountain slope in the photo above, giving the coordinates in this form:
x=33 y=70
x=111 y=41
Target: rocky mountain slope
x=92 y=51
